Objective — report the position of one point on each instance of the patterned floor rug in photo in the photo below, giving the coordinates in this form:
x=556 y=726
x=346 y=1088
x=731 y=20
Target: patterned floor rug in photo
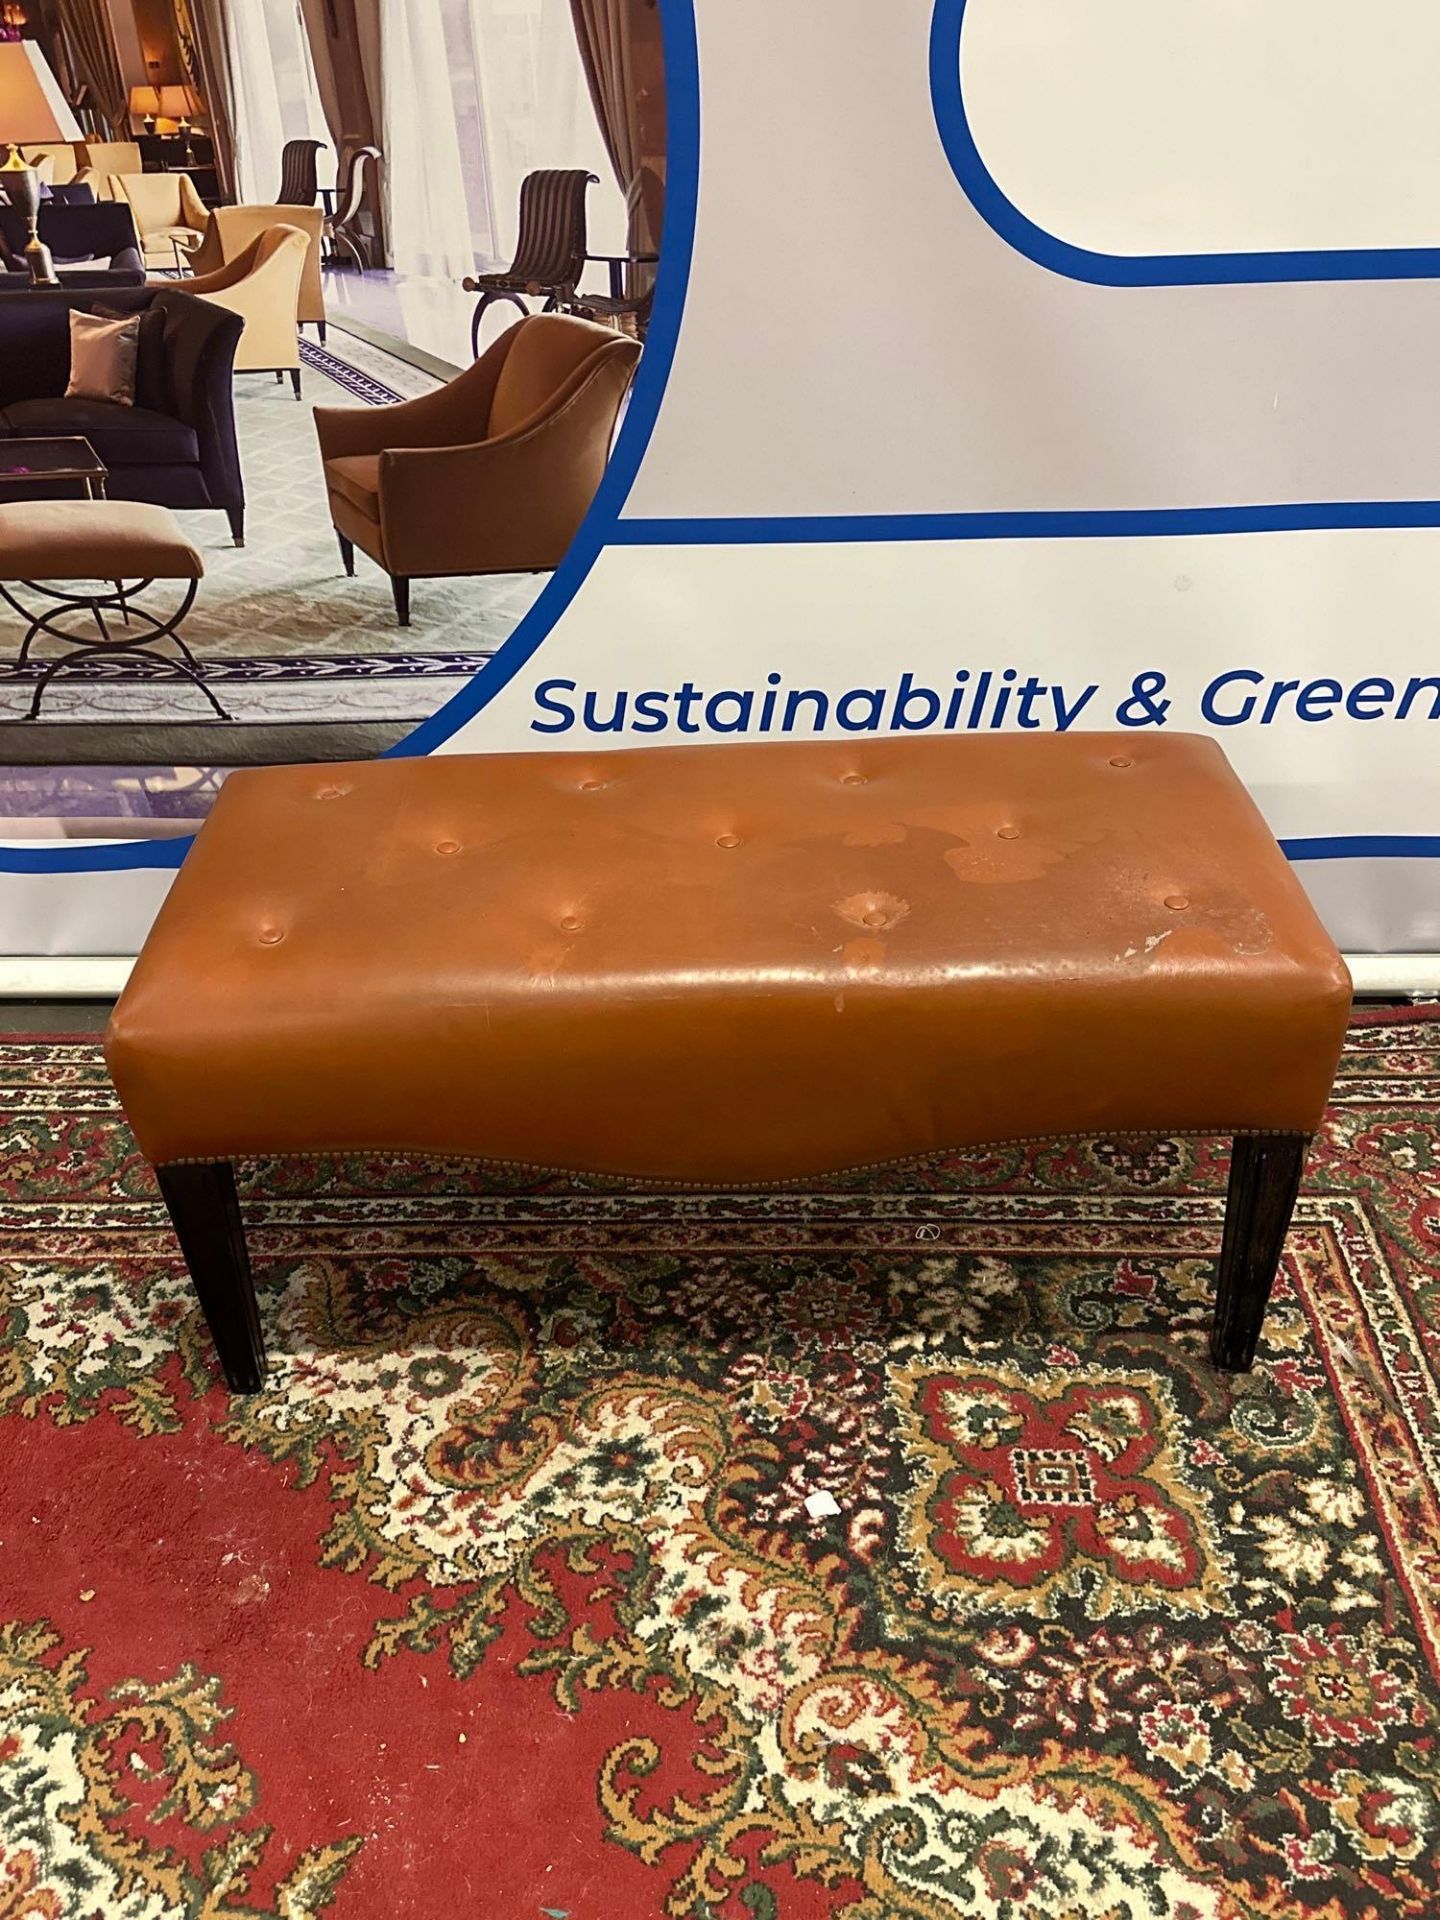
x=893 y=1555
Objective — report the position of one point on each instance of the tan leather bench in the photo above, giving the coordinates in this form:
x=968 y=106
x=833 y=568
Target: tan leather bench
x=731 y=964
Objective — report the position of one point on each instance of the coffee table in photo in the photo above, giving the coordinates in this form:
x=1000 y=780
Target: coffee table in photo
x=67 y=458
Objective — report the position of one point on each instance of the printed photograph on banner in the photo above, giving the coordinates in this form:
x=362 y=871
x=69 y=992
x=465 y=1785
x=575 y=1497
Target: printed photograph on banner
x=323 y=390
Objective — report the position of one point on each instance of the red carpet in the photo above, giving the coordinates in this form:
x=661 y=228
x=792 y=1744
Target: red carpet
x=505 y=1598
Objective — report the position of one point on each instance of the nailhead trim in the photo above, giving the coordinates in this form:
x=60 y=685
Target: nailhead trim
x=641 y=1183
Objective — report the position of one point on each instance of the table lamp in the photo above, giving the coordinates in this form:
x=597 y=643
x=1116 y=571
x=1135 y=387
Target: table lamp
x=145 y=105
x=178 y=104
x=32 y=107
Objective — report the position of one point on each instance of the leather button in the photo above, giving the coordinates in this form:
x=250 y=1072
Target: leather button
x=728 y=840
x=853 y=780
x=1007 y=833
x=1176 y=902
x=570 y=924
x=876 y=917
x=591 y=786
x=271 y=936
x=447 y=846
x=331 y=793
x=1122 y=760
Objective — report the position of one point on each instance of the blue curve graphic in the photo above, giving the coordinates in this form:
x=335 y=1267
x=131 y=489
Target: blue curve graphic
x=947 y=97
x=682 y=169
x=603 y=526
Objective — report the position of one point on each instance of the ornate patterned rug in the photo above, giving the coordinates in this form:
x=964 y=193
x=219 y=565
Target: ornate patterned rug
x=890 y=1554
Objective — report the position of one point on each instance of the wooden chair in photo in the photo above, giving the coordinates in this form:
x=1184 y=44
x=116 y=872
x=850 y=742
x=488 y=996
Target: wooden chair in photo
x=550 y=254
x=299 y=177
x=342 y=231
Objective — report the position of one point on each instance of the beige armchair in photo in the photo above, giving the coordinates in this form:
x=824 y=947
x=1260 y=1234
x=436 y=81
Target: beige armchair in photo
x=230 y=230
x=262 y=285
x=492 y=474
x=109 y=156
x=169 y=213
x=53 y=160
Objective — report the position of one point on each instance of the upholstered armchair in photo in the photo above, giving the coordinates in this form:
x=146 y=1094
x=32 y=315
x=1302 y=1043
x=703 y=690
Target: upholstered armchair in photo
x=230 y=230
x=168 y=211
x=262 y=285
x=492 y=474
x=109 y=156
x=53 y=160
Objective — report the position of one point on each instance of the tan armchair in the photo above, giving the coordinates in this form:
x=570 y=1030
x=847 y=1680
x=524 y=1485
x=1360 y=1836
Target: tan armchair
x=169 y=214
x=262 y=285
x=109 y=156
x=53 y=160
x=230 y=230
x=492 y=474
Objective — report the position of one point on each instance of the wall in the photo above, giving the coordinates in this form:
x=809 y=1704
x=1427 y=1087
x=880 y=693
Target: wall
x=145 y=32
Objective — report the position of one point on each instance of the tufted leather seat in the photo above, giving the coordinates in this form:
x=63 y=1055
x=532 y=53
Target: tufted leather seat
x=737 y=963
x=731 y=964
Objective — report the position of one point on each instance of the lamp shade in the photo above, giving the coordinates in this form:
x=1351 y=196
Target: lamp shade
x=177 y=103
x=32 y=106
x=144 y=102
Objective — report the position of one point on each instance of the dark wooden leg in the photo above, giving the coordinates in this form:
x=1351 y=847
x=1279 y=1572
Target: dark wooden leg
x=206 y=1216
x=295 y=380
x=347 y=552
x=1264 y=1180
x=279 y=376
x=321 y=329
x=236 y=517
x=400 y=587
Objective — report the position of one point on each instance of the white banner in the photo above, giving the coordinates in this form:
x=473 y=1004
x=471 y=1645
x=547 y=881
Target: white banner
x=1001 y=378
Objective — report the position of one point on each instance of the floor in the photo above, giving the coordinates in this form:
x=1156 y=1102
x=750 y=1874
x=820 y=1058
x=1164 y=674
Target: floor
x=54 y=1016
x=308 y=664
x=433 y=315
x=888 y=1546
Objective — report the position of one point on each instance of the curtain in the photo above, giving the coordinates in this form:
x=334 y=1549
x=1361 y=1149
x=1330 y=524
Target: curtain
x=205 y=54
x=427 y=214
x=602 y=28
x=97 y=65
x=344 y=38
x=56 y=48
x=273 y=90
x=322 y=27
x=258 y=126
x=523 y=103
x=623 y=58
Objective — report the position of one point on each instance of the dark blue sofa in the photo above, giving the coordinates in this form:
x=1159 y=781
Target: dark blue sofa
x=176 y=445
x=102 y=231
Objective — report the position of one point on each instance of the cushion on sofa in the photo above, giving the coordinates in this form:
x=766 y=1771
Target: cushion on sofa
x=152 y=385
x=102 y=358
x=356 y=478
x=122 y=436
